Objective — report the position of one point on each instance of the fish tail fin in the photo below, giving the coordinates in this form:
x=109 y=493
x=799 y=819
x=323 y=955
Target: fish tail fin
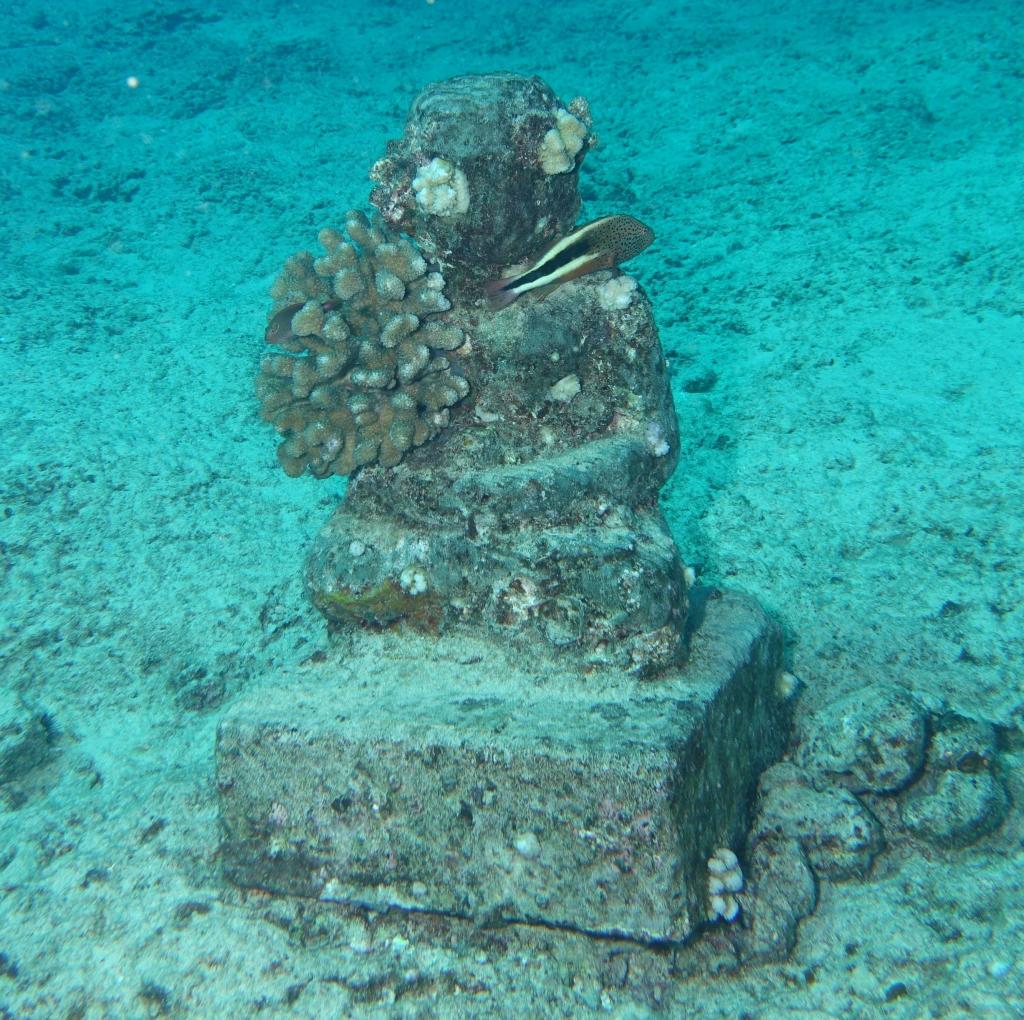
x=499 y=293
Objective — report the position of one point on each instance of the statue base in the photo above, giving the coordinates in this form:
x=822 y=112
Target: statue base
x=440 y=776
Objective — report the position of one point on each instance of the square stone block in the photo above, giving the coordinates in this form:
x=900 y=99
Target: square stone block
x=444 y=776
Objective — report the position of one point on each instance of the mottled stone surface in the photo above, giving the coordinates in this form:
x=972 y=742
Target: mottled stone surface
x=781 y=891
x=871 y=741
x=462 y=782
x=961 y=796
x=879 y=760
x=838 y=835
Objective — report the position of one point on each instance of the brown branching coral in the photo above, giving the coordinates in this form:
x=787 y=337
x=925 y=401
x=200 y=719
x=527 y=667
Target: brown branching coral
x=363 y=376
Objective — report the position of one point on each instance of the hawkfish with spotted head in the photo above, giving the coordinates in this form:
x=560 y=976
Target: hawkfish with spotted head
x=601 y=244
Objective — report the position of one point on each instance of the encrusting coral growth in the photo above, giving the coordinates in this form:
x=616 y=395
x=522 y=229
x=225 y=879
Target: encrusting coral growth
x=561 y=145
x=364 y=377
x=441 y=188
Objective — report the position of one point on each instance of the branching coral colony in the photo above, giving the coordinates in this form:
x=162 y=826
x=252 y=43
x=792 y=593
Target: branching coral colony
x=363 y=376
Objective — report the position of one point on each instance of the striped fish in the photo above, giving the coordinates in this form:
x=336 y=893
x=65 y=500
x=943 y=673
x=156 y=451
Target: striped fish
x=598 y=245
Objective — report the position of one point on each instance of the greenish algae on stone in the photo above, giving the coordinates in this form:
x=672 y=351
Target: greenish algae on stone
x=380 y=606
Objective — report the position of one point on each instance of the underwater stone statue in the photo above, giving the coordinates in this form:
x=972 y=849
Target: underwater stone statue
x=506 y=463
x=530 y=718
x=534 y=723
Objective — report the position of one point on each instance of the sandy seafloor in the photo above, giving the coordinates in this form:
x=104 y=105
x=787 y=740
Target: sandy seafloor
x=838 y=194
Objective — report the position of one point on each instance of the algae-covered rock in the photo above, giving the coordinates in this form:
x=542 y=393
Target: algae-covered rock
x=460 y=779
x=535 y=516
x=837 y=833
x=505 y=465
x=957 y=809
x=781 y=892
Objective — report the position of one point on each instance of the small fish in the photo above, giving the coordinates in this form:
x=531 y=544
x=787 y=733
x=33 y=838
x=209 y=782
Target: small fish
x=279 y=329
x=598 y=245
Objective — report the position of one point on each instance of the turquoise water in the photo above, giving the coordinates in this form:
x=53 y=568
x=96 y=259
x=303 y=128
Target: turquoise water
x=837 y=195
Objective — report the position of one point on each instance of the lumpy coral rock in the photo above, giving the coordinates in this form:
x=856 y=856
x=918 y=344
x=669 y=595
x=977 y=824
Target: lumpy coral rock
x=837 y=833
x=363 y=376
x=960 y=797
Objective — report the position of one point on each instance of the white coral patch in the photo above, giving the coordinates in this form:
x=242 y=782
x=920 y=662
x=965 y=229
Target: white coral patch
x=616 y=293
x=654 y=436
x=413 y=581
x=565 y=389
x=787 y=685
x=561 y=145
x=527 y=844
x=725 y=879
x=441 y=188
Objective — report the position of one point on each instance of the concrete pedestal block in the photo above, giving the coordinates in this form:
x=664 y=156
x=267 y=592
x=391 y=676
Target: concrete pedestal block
x=436 y=775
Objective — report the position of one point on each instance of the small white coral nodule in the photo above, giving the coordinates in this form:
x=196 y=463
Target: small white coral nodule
x=441 y=188
x=654 y=437
x=565 y=389
x=725 y=879
x=413 y=581
x=561 y=145
x=787 y=685
x=617 y=293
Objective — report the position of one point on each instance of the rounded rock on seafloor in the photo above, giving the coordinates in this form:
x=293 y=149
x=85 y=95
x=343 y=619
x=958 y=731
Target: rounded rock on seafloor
x=837 y=833
x=957 y=810
x=870 y=741
x=959 y=797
